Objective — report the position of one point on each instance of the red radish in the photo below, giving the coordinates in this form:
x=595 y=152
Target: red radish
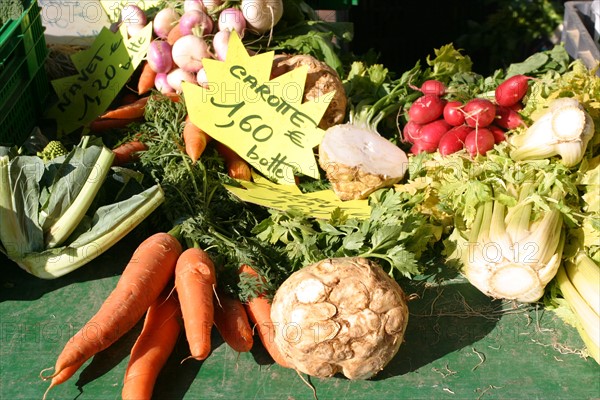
x=195 y=22
x=479 y=113
x=508 y=118
x=416 y=148
x=432 y=86
x=411 y=132
x=512 y=90
x=498 y=133
x=162 y=85
x=159 y=56
x=164 y=20
x=232 y=19
x=426 y=108
x=450 y=143
x=461 y=131
x=479 y=141
x=453 y=113
x=188 y=52
x=431 y=134
x=221 y=44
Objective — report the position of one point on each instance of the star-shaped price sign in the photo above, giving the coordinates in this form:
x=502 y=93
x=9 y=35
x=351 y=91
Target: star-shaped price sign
x=262 y=120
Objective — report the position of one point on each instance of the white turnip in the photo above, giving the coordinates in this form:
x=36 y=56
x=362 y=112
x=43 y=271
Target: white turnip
x=164 y=20
x=262 y=15
x=161 y=83
x=232 y=19
x=220 y=44
x=339 y=315
x=195 y=22
x=178 y=75
x=189 y=5
x=159 y=56
x=188 y=52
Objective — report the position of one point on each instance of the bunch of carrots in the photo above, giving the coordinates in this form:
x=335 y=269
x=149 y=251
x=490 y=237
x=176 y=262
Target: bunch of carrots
x=195 y=139
x=172 y=289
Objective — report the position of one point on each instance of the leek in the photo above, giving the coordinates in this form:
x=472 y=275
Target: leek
x=56 y=262
x=60 y=230
x=11 y=233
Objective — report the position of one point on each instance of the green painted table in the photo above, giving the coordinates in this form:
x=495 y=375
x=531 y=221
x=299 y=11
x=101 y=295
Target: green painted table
x=459 y=345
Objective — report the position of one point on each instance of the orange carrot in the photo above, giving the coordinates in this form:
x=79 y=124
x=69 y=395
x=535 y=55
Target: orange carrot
x=146 y=79
x=259 y=312
x=232 y=323
x=237 y=167
x=135 y=109
x=195 y=139
x=152 y=348
x=104 y=125
x=174 y=34
x=194 y=281
x=127 y=111
x=128 y=152
x=143 y=279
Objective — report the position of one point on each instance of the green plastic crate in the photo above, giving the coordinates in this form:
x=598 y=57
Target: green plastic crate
x=24 y=85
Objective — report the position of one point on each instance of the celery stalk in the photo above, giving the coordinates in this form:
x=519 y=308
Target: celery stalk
x=588 y=319
x=68 y=221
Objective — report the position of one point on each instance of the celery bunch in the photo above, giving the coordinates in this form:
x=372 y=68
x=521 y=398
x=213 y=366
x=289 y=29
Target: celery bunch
x=57 y=215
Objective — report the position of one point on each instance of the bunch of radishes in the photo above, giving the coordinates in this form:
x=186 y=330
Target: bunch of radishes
x=438 y=124
x=194 y=30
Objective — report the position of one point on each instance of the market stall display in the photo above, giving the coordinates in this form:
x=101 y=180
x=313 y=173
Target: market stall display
x=286 y=167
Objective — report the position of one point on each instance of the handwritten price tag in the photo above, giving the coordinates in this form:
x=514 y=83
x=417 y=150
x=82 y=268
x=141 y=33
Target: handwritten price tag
x=285 y=197
x=104 y=69
x=262 y=120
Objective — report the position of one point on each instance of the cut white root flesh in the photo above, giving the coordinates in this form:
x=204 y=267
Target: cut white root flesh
x=359 y=161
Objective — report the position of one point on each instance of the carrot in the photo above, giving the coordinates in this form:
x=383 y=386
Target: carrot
x=143 y=279
x=232 y=323
x=237 y=167
x=146 y=79
x=195 y=139
x=174 y=34
x=127 y=111
x=135 y=109
x=259 y=312
x=194 y=281
x=104 y=125
x=127 y=152
x=152 y=348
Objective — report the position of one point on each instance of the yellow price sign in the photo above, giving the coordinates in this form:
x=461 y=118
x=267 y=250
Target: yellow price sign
x=264 y=121
x=319 y=204
x=104 y=69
